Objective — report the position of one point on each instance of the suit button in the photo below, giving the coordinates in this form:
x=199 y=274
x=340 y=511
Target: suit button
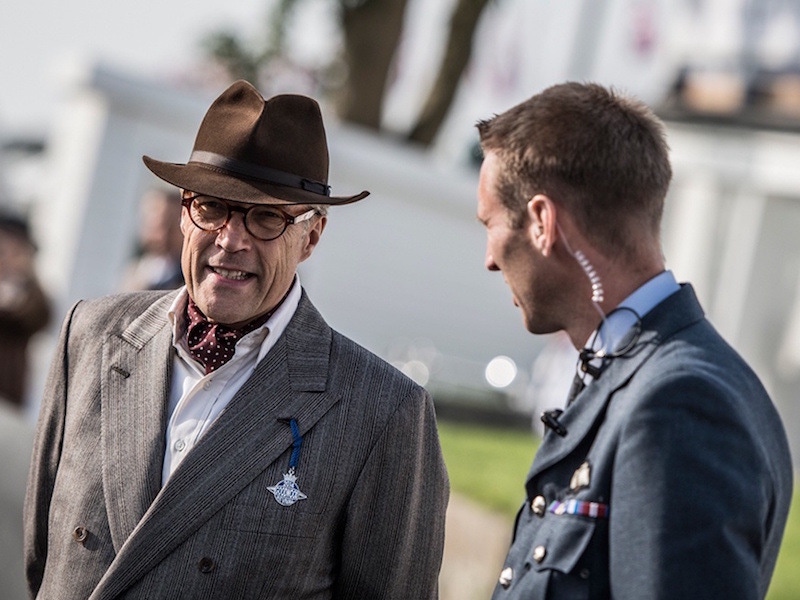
x=79 y=534
x=506 y=577
x=538 y=506
x=206 y=565
x=539 y=553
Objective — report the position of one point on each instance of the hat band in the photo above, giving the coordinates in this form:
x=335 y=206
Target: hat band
x=258 y=172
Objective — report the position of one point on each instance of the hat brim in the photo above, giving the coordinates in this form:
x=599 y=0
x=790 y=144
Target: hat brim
x=213 y=181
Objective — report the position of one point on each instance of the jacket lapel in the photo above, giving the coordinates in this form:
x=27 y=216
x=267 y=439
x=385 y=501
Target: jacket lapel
x=245 y=440
x=581 y=417
x=134 y=390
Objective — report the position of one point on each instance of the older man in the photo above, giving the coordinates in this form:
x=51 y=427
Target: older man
x=222 y=441
x=667 y=474
x=24 y=306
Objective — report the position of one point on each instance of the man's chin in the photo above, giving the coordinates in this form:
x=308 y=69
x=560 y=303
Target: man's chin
x=225 y=315
x=538 y=328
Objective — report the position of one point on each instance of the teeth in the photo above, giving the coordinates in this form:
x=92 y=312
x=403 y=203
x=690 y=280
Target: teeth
x=231 y=274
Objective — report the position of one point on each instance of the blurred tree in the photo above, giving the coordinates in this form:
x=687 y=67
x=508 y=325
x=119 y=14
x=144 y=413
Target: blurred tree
x=458 y=51
x=371 y=30
x=246 y=61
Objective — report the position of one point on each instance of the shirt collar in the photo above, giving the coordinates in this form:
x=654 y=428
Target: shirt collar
x=645 y=298
x=276 y=324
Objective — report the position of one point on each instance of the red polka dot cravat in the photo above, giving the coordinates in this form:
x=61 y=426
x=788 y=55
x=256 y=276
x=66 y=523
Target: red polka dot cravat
x=214 y=344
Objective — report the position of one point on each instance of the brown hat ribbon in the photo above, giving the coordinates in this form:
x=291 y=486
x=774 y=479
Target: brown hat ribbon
x=262 y=173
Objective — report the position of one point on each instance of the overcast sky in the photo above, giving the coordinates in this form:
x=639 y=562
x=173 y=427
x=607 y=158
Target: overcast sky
x=38 y=38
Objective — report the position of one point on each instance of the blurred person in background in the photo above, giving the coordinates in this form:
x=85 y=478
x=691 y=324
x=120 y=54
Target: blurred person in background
x=667 y=473
x=157 y=261
x=221 y=440
x=24 y=307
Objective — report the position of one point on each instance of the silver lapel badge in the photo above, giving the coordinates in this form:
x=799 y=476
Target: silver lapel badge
x=286 y=491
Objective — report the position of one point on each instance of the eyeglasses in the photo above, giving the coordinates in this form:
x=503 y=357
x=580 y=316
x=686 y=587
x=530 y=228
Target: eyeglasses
x=263 y=221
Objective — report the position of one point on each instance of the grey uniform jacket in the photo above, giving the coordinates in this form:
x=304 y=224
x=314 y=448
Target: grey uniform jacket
x=680 y=443
x=99 y=525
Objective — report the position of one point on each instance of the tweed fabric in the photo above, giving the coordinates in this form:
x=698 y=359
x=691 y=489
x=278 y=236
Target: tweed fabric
x=372 y=525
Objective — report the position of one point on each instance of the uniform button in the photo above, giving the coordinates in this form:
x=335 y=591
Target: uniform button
x=539 y=553
x=506 y=577
x=180 y=445
x=207 y=385
x=538 y=506
x=79 y=534
x=584 y=574
x=206 y=565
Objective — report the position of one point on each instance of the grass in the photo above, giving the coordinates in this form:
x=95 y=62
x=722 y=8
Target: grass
x=489 y=465
x=786 y=581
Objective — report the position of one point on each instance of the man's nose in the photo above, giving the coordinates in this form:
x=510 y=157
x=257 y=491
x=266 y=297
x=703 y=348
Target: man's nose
x=489 y=263
x=234 y=235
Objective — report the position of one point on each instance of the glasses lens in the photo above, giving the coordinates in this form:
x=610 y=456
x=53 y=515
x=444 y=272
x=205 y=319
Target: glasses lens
x=209 y=213
x=265 y=222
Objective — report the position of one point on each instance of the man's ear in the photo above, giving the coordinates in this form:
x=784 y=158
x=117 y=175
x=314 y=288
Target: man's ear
x=542 y=222
x=313 y=236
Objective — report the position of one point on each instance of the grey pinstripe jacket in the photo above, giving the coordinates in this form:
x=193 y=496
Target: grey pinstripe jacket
x=98 y=524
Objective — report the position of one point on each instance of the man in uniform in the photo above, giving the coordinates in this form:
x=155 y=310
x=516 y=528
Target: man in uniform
x=667 y=473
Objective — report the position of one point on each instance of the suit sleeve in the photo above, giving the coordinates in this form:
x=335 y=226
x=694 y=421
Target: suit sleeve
x=44 y=461
x=691 y=495
x=394 y=532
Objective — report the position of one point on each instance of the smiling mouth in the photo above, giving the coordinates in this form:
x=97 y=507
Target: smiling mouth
x=231 y=274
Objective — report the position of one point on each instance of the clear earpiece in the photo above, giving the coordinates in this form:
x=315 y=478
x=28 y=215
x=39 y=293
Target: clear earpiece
x=589 y=270
x=587 y=355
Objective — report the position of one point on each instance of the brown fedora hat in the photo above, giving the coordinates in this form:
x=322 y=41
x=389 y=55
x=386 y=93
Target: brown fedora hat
x=261 y=151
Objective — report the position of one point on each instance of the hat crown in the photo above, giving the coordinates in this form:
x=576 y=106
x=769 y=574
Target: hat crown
x=284 y=133
x=249 y=149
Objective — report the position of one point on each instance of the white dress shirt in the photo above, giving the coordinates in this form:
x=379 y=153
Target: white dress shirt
x=197 y=399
